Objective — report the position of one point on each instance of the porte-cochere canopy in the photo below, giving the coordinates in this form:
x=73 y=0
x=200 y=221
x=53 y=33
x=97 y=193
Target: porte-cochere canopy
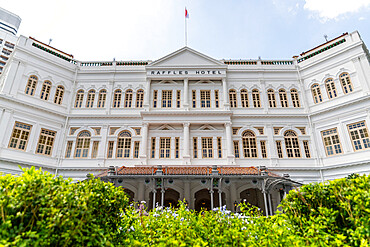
x=202 y=187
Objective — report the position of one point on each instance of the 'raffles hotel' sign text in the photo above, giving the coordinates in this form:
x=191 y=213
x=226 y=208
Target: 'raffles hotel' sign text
x=194 y=72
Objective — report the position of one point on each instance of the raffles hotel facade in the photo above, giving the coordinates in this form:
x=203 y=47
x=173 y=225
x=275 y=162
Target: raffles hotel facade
x=188 y=126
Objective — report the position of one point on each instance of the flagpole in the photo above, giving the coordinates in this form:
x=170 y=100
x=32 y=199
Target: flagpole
x=186 y=31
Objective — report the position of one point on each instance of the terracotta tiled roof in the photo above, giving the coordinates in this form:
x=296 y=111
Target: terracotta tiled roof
x=238 y=170
x=187 y=170
x=136 y=170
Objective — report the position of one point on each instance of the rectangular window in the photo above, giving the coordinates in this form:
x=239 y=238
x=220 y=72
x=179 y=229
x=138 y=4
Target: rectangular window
x=306 y=149
x=194 y=97
x=232 y=98
x=235 y=130
x=110 y=149
x=279 y=150
x=155 y=98
x=263 y=149
x=195 y=147
x=165 y=147
x=217 y=99
x=359 y=135
x=136 y=149
x=256 y=98
x=46 y=141
x=207 y=149
x=177 y=148
x=236 y=149
x=166 y=98
x=178 y=98
x=244 y=97
x=331 y=142
x=102 y=98
x=95 y=150
x=152 y=155
x=261 y=130
x=277 y=130
x=137 y=131
x=219 y=147
x=302 y=129
x=205 y=98
x=20 y=135
x=69 y=149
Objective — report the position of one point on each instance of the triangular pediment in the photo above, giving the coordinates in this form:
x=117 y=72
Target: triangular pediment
x=207 y=127
x=186 y=57
x=165 y=127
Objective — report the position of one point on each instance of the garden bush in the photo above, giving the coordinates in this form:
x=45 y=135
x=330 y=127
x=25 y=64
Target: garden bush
x=39 y=210
x=335 y=211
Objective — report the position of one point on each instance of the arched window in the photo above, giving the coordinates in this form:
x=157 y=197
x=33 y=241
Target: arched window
x=295 y=98
x=330 y=88
x=128 y=98
x=31 y=85
x=139 y=98
x=59 y=95
x=346 y=83
x=283 y=98
x=316 y=93
x=117 y=98
x=45 y=91
x=292 y=144
x=249 y=144
x=124 y=144
x=271 y=98
x=79 y=98
x=244 y=97
x=232 y=98
x=102 y=98
x=83 y=144
x=256 y=98
x=90 y=99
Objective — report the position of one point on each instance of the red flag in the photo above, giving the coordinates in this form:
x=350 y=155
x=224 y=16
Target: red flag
x=186 y=13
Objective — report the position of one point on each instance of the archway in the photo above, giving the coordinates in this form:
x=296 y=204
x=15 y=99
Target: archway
x=171 y=198
x=130 y=194
x=203 y=199
x=254 y=197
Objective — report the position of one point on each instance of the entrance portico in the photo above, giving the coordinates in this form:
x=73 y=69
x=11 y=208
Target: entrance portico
x=203 y=187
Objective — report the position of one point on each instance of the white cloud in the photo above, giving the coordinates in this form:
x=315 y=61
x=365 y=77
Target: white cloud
x=333 y=9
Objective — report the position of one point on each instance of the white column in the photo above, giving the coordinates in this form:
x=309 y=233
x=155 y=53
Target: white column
x=144 y=141
x=186 y=153
x=225 y=94
x=4 y=125
x=229 y=140
x=147 y=94
x=186 y=93
x=264 y=100
x=270 y=142
x=103 y=144
x=360 y=73
x=110 y=92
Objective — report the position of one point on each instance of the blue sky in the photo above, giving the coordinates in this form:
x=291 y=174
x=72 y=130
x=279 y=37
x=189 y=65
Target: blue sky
x=149 y=29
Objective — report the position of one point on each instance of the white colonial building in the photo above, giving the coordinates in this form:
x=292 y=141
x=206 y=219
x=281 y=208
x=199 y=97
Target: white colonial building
x=188 y=124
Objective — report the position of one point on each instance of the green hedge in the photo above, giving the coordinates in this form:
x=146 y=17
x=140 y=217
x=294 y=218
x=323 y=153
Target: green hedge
x=336 y=211
x=38 y=210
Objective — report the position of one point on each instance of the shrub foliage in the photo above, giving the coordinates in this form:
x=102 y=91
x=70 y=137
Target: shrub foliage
x=38 y=210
